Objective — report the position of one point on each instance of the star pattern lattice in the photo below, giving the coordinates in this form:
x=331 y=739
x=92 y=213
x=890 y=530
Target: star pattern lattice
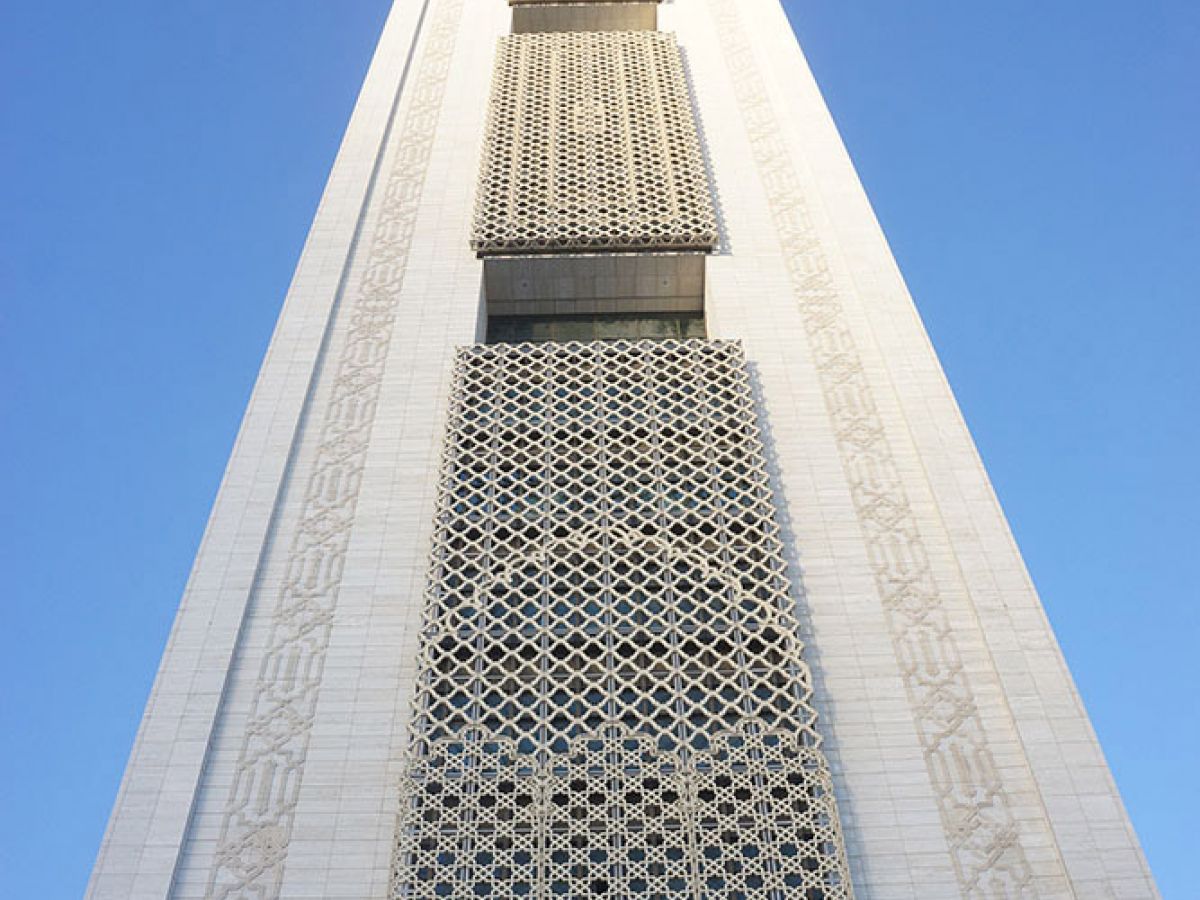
x=591 y=144
x=611 y=700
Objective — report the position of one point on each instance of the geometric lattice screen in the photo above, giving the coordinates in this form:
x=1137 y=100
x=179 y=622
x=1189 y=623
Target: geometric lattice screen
x=611 y=700
x=591 y=144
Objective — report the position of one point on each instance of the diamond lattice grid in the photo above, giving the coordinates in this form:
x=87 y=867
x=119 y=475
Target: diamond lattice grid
x=611 y=699
x=591 y=144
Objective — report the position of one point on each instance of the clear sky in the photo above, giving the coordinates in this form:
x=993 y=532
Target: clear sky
x=1034 y=165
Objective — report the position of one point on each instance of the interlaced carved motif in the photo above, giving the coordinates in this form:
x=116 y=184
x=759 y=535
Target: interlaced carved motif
x=611 y=700
x=976 y=813
x=591 y=144
x=257 y=823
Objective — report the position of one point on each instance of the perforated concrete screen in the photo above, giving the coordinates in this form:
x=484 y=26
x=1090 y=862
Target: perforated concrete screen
x=591 y=144
x=611 y=700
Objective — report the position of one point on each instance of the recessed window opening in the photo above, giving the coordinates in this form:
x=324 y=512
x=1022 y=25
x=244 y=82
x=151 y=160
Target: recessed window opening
x=599 y=327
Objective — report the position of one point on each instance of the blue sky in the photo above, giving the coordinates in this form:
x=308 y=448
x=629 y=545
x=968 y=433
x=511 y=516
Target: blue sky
x=1034 y=166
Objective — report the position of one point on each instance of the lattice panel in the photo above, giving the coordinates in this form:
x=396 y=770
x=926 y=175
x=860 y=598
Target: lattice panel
x=611 y=699
x=591 y=144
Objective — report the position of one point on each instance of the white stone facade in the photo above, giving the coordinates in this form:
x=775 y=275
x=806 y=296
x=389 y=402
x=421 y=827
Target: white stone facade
x=270 y=759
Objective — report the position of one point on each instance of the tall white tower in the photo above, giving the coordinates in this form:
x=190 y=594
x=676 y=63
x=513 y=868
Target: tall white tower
x=602 y=524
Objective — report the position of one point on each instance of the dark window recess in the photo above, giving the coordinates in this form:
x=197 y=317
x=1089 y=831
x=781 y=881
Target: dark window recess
x=523 y=329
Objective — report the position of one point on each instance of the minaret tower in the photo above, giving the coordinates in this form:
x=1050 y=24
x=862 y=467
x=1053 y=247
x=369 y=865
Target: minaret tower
x=602 y=524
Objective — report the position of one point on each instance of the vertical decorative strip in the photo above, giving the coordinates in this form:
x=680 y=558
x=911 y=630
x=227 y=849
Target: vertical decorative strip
x=259 y=813
x=975 y=811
